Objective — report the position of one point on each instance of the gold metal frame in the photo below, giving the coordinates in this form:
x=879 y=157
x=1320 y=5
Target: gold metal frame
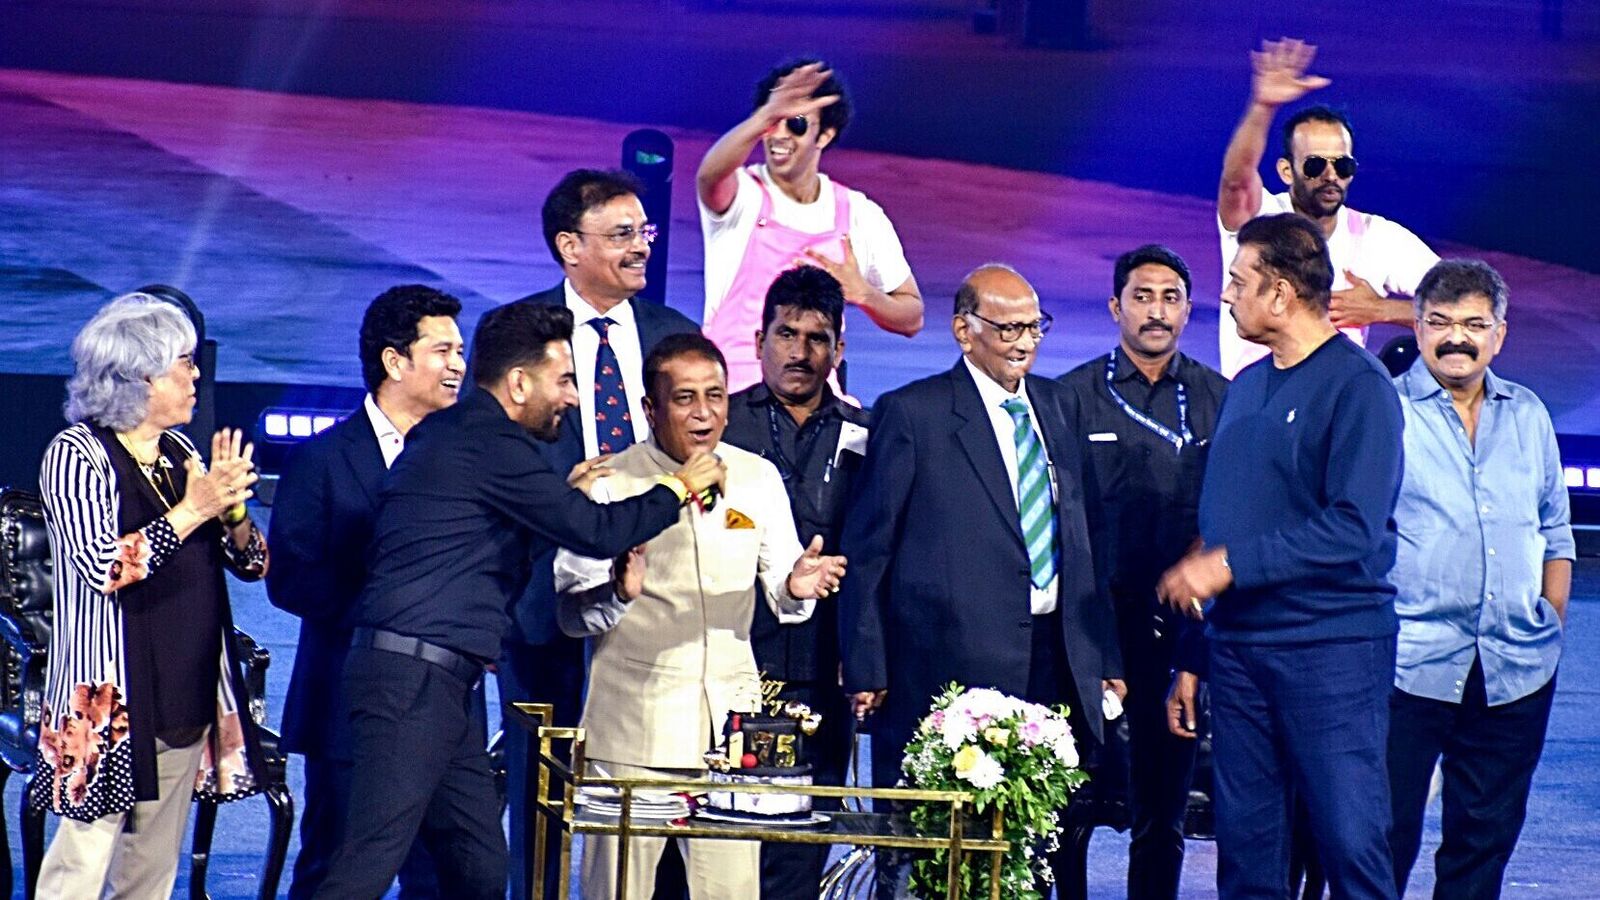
x=550 y=810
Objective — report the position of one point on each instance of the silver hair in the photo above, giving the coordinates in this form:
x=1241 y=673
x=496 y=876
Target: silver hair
x=1452 y=280
x=130 y=340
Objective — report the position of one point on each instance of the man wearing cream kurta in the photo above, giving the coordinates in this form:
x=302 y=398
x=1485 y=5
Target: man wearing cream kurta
x=671 y=619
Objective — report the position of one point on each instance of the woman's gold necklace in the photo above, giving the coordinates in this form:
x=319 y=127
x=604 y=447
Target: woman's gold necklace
x=154 y=471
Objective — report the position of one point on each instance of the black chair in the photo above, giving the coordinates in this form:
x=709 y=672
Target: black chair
x=26 y=610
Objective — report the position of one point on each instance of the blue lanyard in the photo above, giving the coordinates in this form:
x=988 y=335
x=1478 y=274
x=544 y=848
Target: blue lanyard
x=1176 y=439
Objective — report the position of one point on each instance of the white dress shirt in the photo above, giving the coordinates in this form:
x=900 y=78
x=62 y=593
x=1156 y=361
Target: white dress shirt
x=390 y=440
x=624 y=337
x=1040 y=600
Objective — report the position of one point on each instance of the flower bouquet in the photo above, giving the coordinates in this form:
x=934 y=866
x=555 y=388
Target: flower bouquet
x=1007 y=753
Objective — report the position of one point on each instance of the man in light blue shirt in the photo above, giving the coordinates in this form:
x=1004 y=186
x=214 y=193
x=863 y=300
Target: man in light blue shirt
x=1483 y=571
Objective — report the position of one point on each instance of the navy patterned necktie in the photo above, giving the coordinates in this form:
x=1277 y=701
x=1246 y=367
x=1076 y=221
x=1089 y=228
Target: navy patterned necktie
x=613 y=424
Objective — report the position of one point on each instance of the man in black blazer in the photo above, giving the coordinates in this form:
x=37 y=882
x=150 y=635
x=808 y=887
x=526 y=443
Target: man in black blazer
x=322 y=518
x=969 y=552
x=595 y=228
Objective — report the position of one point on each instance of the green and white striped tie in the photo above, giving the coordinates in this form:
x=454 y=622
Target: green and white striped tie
x=1035 y=505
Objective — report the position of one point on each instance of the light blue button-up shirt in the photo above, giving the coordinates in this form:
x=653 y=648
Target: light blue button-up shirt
x=1476 y=525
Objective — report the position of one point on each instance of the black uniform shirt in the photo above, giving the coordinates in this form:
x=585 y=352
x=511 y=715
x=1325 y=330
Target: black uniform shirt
x=818 y=475
x=1144 y=494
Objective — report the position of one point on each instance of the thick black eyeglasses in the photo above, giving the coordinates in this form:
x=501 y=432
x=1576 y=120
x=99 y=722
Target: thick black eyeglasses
x=1314 y=166
x=622 y=237
x=1011 y=332
x=797 y=125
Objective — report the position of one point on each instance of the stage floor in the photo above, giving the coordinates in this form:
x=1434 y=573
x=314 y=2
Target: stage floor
x=283 y=215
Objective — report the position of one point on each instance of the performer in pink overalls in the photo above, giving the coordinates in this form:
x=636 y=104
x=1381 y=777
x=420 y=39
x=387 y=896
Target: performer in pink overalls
x=760 y=220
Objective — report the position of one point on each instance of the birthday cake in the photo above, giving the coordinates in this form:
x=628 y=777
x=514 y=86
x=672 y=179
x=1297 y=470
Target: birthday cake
x=761 y=749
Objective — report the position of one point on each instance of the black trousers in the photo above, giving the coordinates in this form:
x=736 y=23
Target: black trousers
x=794 y=871
x=1489 y=755
x=419 y=766
x=1159 y=763
x=323 y=810
x=1050 y=683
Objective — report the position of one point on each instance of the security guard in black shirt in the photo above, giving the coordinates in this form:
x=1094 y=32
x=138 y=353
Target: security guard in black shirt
x=817 y=441
x=463 y=506
x=1145 y=413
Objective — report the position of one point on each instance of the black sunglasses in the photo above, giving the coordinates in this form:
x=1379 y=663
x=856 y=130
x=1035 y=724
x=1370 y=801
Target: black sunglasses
x=797 y=125
x=1314 y=166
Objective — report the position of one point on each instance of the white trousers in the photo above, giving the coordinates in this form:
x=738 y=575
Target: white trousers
x=100 y=859
x=717 y=870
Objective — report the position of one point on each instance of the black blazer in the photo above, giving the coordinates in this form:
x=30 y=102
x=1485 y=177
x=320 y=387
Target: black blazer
x=534 y=616
x=939 y=576
x=322 y=517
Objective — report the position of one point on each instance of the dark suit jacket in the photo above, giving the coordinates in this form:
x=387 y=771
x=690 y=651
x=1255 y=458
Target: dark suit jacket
x=939 y=577
x=534 y=617
x=321 y=521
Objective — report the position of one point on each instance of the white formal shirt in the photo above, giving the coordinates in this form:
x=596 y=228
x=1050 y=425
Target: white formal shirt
x=624 y=337
x=1041 y=600
x=872 y=236
x=1380 y=252
x=390 y=440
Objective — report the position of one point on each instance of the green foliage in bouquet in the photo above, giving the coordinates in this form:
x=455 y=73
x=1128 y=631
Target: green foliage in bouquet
x=1009 y=754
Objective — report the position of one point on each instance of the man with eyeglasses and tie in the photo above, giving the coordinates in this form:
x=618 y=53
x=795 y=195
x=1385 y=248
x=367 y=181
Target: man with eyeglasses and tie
x=759 y=221
x=968 y=537
x=1484 y=570
x=595 y=228
x=1145 y=413
x=1374 y=259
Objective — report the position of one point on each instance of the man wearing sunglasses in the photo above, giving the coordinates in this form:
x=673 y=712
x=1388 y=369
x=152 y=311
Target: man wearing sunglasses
x=1374 y=259
x=595 y=229
x=759 y=221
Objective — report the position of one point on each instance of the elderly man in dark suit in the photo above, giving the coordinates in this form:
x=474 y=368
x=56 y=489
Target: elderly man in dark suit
x=969 y=549
x=321 y=520
x=595 y=228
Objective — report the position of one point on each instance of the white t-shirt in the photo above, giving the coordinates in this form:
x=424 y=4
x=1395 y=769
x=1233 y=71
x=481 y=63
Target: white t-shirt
x=1381 y=252
x=872 y=235
x=623 y=335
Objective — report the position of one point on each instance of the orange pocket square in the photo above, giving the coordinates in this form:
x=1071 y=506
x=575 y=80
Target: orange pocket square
x=735 y=519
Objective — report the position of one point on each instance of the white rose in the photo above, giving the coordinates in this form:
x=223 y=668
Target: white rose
x=984 y=772
x=1065 y=750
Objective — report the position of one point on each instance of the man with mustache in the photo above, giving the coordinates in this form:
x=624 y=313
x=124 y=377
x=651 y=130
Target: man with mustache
x=322 y=517
x=1374 y=259
x=468 y=504
x=759 y=221
x=1144 y=414
x=1484 y=571
x=595 y=228
x=672 y=657
x=794 y=420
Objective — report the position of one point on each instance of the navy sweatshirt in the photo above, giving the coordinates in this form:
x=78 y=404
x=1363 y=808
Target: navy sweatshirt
x=1300 y=487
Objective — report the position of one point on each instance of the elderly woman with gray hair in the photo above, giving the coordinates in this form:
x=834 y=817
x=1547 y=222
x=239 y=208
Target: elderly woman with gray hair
x=144 y=700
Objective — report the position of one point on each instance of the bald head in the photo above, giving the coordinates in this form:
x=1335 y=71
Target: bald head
x=992 y=300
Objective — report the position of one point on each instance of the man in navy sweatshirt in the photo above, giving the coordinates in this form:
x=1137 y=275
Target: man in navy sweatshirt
x=1296 y=515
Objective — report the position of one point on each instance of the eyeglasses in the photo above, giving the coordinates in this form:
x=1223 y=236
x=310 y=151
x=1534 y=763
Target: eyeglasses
x=1011 y=332
x=1314 y=166
x=625 y=235
x=797 y=125
x=1475 y=327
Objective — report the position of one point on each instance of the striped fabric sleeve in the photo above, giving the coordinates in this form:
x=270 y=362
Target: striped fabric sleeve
x=81 y=514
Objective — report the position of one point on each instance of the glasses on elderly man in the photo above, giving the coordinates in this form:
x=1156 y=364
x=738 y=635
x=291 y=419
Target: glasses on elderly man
x=1475 y=326
x=1011 y=332
x=625 y=235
